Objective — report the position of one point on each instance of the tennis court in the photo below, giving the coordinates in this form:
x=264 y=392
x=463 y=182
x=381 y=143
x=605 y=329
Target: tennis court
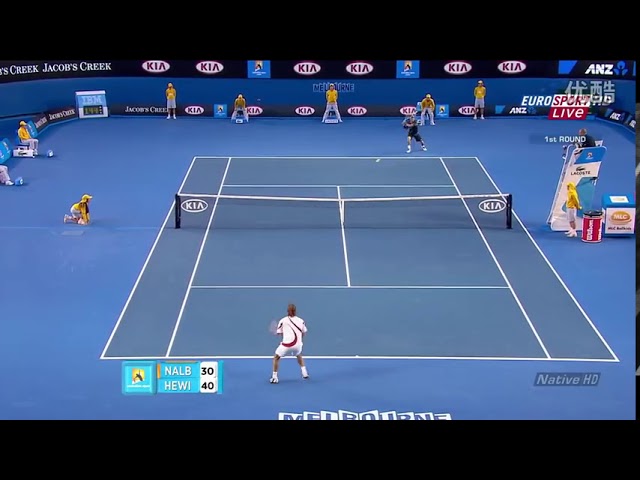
x=381 y=265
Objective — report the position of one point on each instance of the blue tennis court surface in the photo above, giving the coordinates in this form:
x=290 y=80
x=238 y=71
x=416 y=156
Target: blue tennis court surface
x=413 y=304
x=431 y=279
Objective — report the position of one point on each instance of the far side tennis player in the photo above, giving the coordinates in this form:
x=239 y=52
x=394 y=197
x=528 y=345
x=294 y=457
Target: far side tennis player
x=479 y=93
x=171 y=101
x=240 y=107
x=332 y=103
x=293 y=329
x=411 y=124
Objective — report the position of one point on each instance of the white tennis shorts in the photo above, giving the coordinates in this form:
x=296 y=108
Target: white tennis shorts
x=171 y=103
x=479 y=103
x=571 y=214
x=283 y=351
x=75 y=212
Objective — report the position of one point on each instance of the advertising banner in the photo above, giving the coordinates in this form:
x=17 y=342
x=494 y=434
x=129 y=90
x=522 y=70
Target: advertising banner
x=22 y=70
x=160 y=110
x=61 y=115
x=518 y=111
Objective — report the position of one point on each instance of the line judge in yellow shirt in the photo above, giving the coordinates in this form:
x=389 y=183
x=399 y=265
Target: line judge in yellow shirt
x=171 y=101
x=479 y=93
x=332 y=103
x=428 y=107
x=80 y=211
x=240 y=107
x=25 y=138
x=573 y=205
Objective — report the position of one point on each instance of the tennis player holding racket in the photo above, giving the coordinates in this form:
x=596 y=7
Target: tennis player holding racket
x=293 y=329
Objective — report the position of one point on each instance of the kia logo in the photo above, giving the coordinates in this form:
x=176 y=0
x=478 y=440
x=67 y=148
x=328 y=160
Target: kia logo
x=359 y=68
x=305 y=111
x=468 y=110
x=156 y=66
x=357 y=111
x=492 y=205
x=306 y=68
x=512 y=66
x=194 y=205
x=457 y=68
x=194 y=110
x=254 y=110
x=408 y=110
x=209 y=67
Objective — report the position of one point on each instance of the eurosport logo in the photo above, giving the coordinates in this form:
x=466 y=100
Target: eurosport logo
x=467 y=110
x=492 y=205
x=408 y=110
x=156 y=66
x=254 y=110
x=457 y=68
x=306 y=68
x=357 y=111
x=194 y=205
x=359 y=68
x=194 y=110
x=511 y=67
x=209 y=67
x=305 y=111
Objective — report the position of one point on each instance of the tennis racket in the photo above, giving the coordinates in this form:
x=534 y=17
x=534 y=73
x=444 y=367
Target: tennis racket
x=273 y=328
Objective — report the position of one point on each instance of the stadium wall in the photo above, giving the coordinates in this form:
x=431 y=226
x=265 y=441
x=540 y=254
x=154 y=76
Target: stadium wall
x=30 y=97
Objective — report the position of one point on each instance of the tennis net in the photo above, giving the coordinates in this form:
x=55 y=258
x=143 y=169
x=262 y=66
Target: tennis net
x=195 y=211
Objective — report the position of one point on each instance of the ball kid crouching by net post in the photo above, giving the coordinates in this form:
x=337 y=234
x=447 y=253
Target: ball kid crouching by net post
x=411 y=125
x=80 y=212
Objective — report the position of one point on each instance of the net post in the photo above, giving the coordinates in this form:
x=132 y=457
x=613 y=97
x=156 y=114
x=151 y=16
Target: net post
x=177 y=210
x=509 y=210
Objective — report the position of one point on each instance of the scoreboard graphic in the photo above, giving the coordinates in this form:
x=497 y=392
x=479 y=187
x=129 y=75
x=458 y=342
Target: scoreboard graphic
x=151 y=378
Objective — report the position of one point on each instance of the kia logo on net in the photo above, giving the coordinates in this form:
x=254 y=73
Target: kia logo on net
x=209 y=67
x=492 y=205
x=156 y=66
x=306 y=68
x=194 y=205
x=512 y=66
x=468 y=110
x=305 y=111
x=359 y=68
x=408 y=110
x=457 y=68
x=194 y=110
x=254 y=110
x=357 y=111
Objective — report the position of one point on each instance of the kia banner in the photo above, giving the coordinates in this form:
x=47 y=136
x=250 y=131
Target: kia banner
x=331 y=69
x=481 y=69
x=160 y=110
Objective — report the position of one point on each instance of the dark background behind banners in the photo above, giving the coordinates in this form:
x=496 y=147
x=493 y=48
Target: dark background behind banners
x=334 y=69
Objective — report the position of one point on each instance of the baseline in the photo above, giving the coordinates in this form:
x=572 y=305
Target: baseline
x=364 y=357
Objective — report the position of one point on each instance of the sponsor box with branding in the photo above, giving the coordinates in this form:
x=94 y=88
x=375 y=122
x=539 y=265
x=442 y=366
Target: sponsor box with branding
x=259 y=69
x=488 y=68
x=220 y=110
x=408 y=69
x=619 y=214
x=608 y=69
x=333 y=69
x=61 y=115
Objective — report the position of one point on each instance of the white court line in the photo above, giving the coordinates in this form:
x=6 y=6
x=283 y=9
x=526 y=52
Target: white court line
x=504 y=275
x=198 y=258
x=551 y=267
x=372 y=357
x=344 y=238
x=362 y=287
x=146 y=262
x=334 y=157
x=341 y=186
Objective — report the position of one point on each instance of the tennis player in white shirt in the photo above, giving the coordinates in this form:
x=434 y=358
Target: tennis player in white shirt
x=293 y=329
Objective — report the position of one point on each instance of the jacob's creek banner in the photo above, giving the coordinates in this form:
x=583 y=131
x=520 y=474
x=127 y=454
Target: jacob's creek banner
x=159 y=110
x=23 y=70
